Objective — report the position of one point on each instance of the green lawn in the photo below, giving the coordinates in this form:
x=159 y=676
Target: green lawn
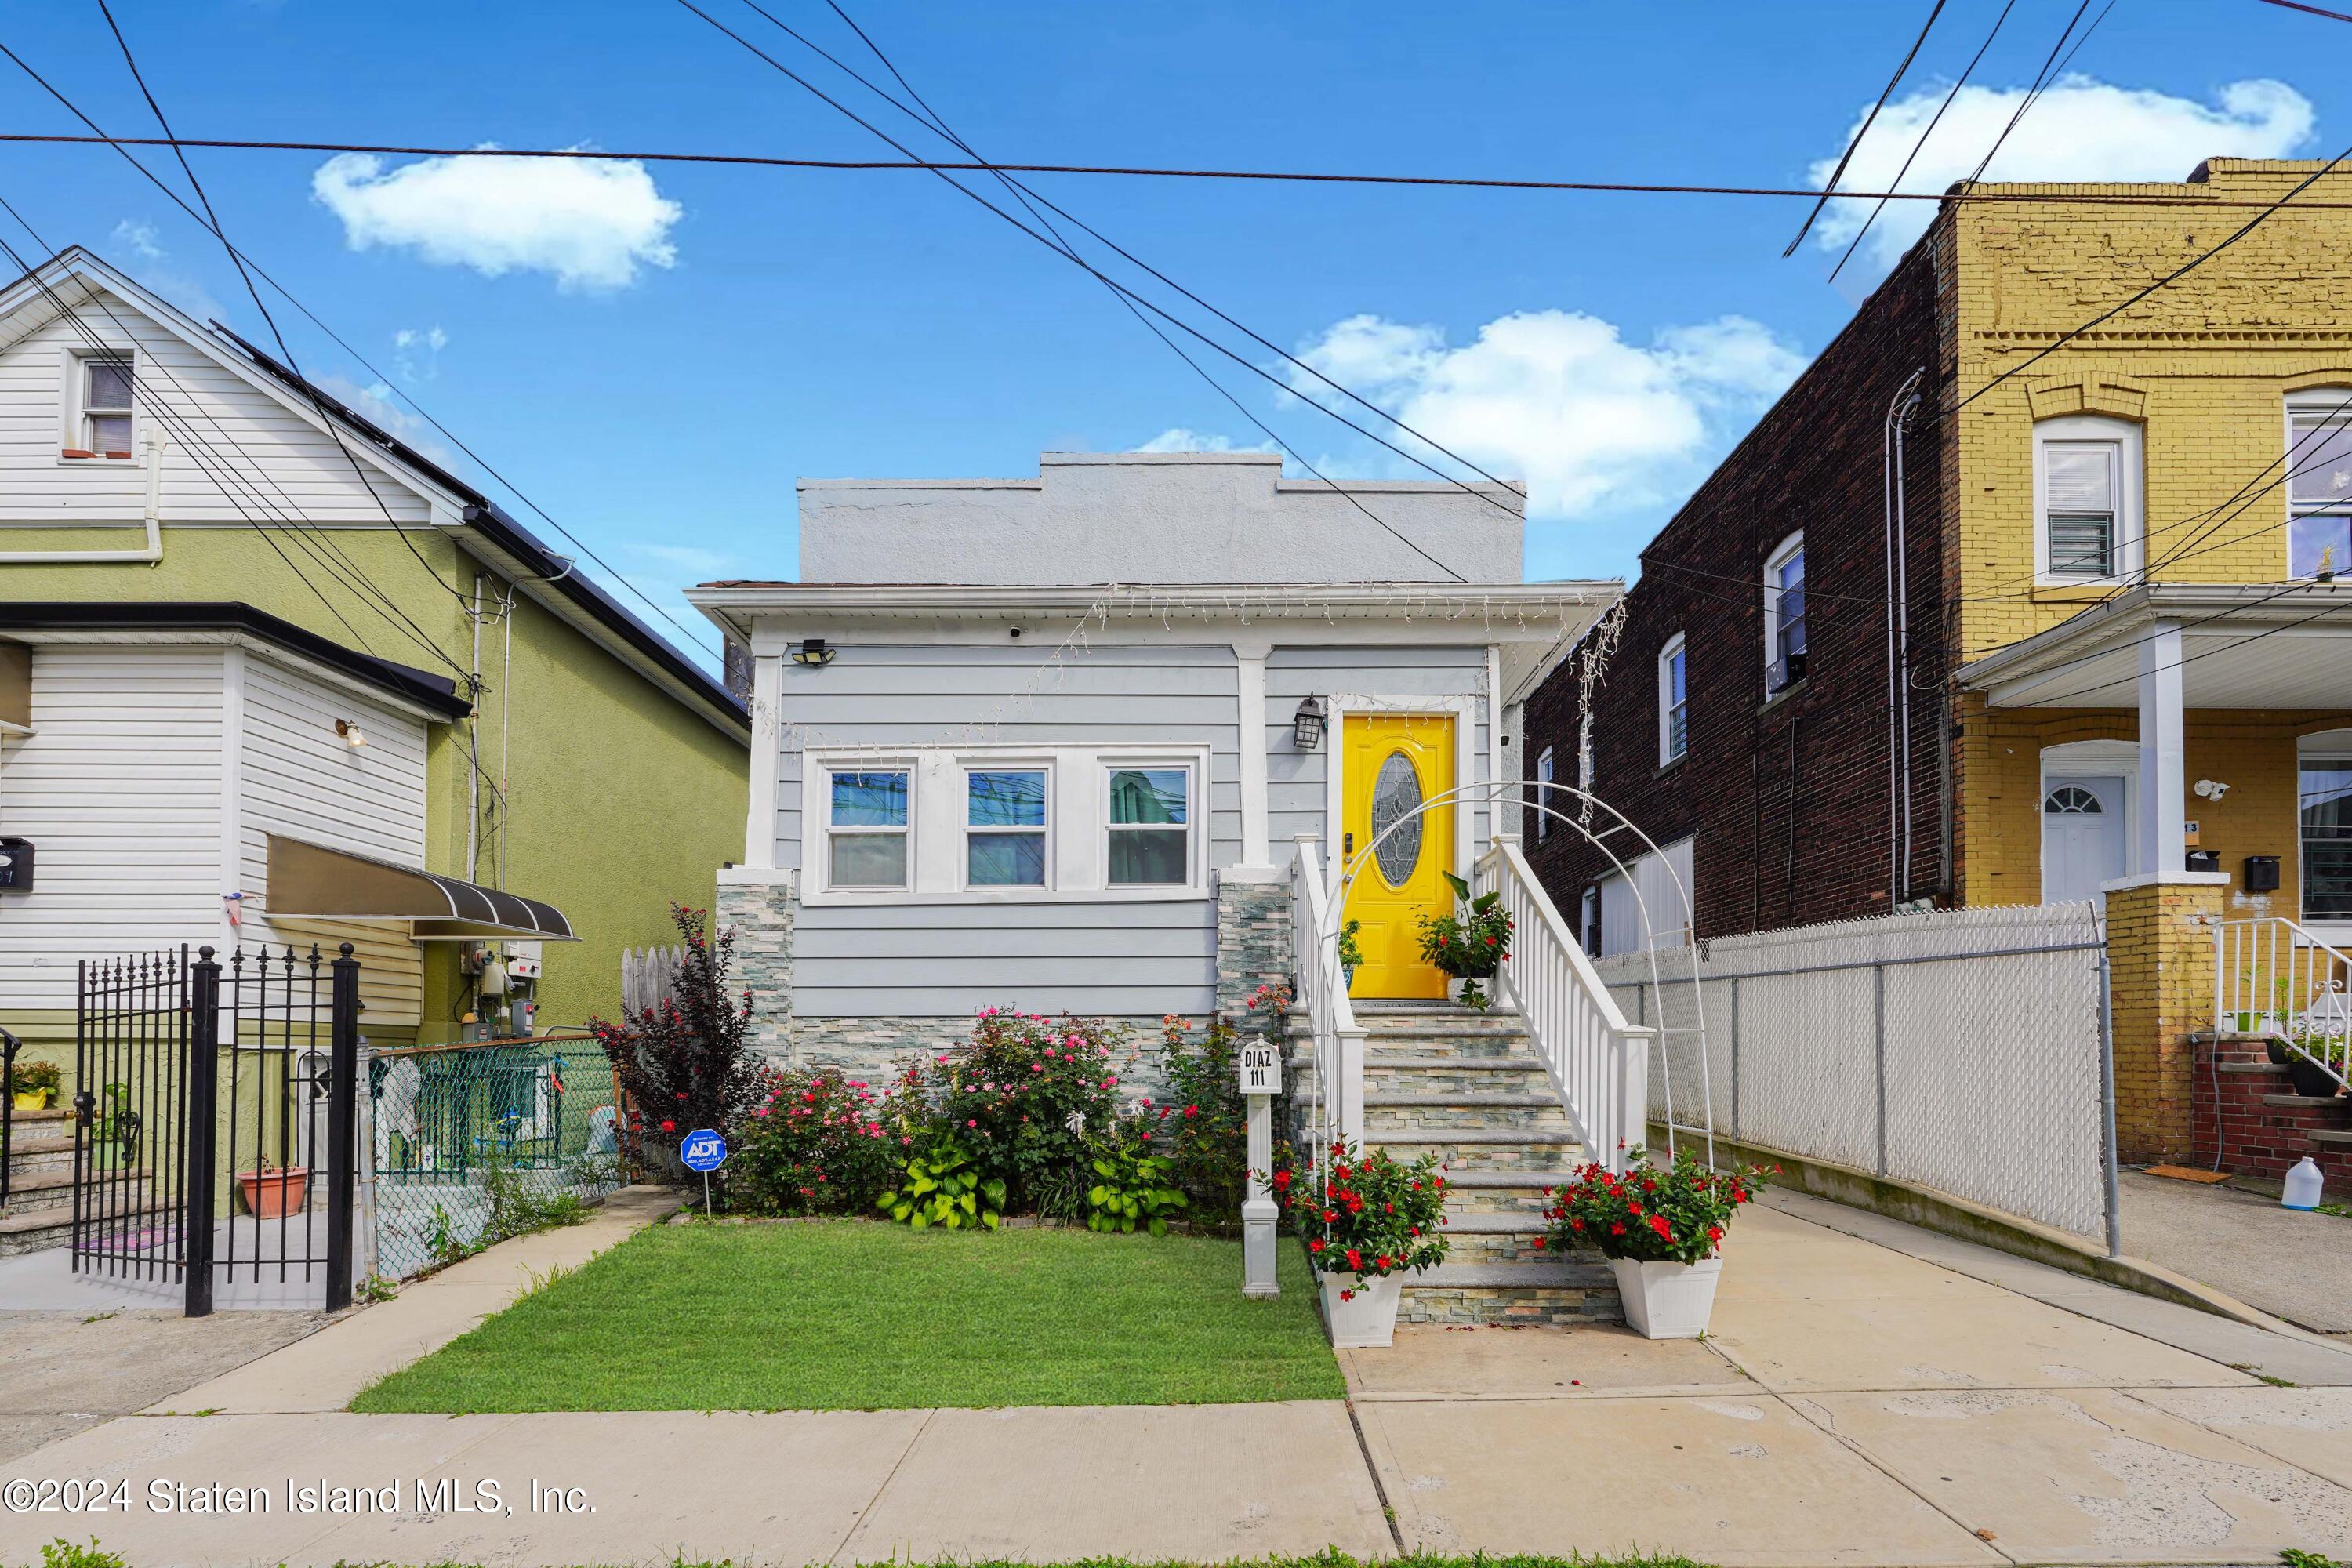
x=857 y=1315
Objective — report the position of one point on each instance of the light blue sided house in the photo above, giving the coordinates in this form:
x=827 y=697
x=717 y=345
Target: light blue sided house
x=1093 y=742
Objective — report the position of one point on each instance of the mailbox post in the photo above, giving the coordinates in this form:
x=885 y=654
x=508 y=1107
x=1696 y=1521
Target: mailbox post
x=1261 y=1075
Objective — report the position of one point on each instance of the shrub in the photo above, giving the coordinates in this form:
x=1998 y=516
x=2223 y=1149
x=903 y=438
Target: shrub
x=686 y=1063
x=943 y=1184
x=1470 y=945
x=1023 y=1095
x=817 y=1142
x=1678 y=1215
x=1368 y=1213
x=1205 y=1125
x=1135 y=1185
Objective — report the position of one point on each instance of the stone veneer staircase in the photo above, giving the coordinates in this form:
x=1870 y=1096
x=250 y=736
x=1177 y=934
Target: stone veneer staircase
x=40 y=1210
x=1467 y=1087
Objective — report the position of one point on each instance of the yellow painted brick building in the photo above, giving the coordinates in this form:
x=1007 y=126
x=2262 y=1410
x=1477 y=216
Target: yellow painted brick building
x=2141 y=523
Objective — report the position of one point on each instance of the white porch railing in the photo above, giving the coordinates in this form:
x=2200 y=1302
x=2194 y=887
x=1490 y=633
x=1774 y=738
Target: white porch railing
x=1338 y=1042
x=2272 y=976
x=1599 y=1064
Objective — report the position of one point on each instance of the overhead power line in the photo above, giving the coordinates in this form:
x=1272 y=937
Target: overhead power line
x=2313 y=10
x=1296 y=177
x=1829 y=186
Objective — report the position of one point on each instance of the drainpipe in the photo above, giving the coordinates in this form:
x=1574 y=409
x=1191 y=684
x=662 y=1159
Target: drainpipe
x=1898 y=644
x=150 y=556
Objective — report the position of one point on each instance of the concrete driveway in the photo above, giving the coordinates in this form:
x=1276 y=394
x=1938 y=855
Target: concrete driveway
x=62 y=1372
x=2294 y=1266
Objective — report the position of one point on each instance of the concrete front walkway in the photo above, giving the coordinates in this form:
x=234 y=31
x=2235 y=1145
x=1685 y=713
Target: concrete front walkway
x=2294 y=1266
x=1871 y=1396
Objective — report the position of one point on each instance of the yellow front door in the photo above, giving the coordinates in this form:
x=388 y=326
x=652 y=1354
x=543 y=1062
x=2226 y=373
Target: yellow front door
x=1387 y=765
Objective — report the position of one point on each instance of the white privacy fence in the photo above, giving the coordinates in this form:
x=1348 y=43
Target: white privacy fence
x=1964 y=1051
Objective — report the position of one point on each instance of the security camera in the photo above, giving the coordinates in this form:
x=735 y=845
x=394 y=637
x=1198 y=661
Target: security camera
x=2211 y=789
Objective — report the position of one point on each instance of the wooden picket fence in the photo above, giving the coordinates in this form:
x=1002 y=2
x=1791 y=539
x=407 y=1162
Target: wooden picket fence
x=648 y=975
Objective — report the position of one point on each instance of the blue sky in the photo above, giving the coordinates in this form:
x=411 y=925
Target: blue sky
x=656 y=354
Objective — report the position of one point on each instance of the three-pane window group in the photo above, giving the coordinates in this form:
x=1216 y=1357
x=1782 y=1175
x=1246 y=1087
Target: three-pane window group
x=1007 y=817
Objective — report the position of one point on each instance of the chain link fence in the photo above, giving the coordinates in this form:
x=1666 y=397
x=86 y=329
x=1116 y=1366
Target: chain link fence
x=474 y=1143
x=1961 y=1049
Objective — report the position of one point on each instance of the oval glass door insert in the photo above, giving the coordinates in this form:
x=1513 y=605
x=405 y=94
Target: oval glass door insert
x=1396 y=792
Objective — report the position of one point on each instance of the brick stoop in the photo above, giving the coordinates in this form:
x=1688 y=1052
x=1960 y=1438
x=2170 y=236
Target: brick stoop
x=1466 y=1086
x=2263 y=1127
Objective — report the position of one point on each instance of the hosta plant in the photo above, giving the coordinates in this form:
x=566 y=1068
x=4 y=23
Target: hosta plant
x=1370 y=1214
x=1134 y=1189
x=944 y=1186
x=1677 y=1215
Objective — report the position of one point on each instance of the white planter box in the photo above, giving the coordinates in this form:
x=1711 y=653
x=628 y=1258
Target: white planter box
x=1367 y=1322
x=1667 y=1300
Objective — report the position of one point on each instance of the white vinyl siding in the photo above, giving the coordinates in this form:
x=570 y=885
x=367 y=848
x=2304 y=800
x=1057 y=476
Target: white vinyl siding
x=299 y=778
x=119 y=787
x=124 y=789
x=287 y=466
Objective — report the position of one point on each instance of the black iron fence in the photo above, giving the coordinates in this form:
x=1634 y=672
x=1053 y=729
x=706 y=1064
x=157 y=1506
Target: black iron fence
x=215 y=1123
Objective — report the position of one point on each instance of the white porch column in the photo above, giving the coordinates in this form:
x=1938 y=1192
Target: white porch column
x=1250 y=705
x=2163 y=767
x=767 y=760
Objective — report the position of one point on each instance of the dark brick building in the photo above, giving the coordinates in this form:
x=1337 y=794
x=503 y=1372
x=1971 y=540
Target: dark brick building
x=1787 y=791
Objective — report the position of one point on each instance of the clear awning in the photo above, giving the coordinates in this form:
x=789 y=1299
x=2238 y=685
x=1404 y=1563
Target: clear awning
x=310 y=881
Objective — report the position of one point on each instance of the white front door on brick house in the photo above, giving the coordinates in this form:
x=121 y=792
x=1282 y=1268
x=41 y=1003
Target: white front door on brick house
x=2084 y=843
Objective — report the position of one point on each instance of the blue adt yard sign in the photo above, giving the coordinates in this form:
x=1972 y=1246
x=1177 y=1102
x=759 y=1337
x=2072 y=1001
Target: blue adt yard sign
x=704 y=1152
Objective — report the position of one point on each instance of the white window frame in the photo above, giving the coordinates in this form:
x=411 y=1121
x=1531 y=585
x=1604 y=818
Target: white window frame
x=1544 y=806
x=73 y=429
x=2323 y=746
x=1668 y=753
x=1077 y=848
x=2324 y=400
x=1584 y=751
x=1193 y=806
x=823 y=838
x=2129 y=544
x=1782 y=554
x=966 y=831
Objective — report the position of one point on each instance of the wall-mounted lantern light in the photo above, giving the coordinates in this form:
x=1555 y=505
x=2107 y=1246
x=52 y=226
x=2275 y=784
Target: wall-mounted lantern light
x=812 y=652
x=350 y=732
x=1307 y=726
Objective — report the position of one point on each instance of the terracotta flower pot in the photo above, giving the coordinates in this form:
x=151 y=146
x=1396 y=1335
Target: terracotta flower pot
x=275 y=1194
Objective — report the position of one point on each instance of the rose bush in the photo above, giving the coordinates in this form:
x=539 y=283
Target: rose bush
x=816 y=1142
x=1679 y=1214
x=1366 y=1213
x=1023 y=1095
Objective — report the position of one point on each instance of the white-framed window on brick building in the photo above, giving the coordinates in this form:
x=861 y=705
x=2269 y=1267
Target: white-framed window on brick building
x=2319 y=482
x=1784 y=614
x=1544 y=803
x=2086 y=500
x=1673 y=701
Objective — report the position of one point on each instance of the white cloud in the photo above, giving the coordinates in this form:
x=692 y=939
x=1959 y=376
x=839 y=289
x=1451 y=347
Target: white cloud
x=1177 y=439
x=592 y=224
x=150 y=263
x=2079 y=128
x=1558 y=398
x=139 y=239
x=375 y=404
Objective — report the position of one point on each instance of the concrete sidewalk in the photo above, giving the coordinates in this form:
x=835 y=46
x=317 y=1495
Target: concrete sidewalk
x=1920 y=1403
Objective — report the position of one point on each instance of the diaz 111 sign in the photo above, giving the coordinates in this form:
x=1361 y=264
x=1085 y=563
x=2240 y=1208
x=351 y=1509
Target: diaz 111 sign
x=1261 y=1067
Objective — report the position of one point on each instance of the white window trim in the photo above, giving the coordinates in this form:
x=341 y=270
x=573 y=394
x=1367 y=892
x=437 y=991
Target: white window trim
x=2322 y=745
x=1781 y=553
x=2131 y=523
x=2309 y=400
x=1195 y=839
x=821 y=873
x=72 y=385
x=1544 y=804
x=966 y=831
x=1077 y=852
x=1667 y=756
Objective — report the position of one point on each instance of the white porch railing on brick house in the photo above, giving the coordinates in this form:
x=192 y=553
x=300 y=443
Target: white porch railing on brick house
x=2272 y=976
